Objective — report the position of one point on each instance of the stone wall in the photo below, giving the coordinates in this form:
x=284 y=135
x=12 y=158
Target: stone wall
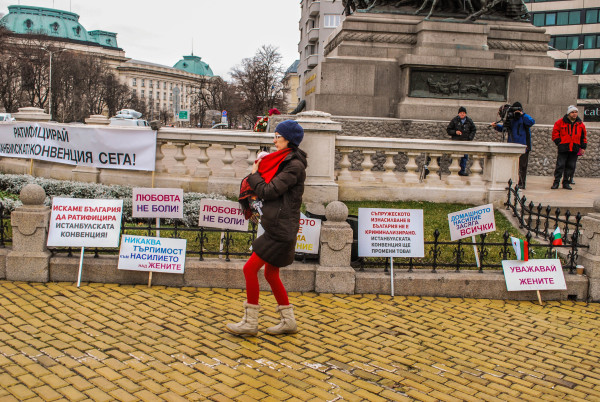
x=541 y=160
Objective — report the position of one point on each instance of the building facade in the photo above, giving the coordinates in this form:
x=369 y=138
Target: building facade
x=318 y=19
x=291 y=83
x=163 y=88
x=574 y=26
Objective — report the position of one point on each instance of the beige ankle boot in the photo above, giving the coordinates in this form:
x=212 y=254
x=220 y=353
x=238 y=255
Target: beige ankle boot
x=249 y=323
x=287 y=324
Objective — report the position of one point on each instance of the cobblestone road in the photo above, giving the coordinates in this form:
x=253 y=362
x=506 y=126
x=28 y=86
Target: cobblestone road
x=127 y=343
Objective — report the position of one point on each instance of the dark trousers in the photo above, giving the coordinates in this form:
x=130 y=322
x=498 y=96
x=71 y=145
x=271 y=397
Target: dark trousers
x=565 y=166
x=463 y=163
x=523 y=162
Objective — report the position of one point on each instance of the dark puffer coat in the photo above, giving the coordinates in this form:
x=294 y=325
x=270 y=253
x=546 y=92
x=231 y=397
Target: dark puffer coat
x=282 y=198
x=468 y=129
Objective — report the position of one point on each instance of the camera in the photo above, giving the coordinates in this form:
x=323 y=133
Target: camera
x=508 y=113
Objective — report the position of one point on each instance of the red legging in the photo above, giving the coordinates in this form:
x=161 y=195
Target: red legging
x=251 y=269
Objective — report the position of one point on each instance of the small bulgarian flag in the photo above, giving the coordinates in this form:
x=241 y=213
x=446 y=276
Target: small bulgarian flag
x=557 y=237
x=521 y=248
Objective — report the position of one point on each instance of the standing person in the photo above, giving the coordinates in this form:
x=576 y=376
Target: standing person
x=519 y=132
x=277 y=179
x=570 y=136
x=462 y=128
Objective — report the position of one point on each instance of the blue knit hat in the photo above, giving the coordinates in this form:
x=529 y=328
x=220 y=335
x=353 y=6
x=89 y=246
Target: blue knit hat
x=291 y=131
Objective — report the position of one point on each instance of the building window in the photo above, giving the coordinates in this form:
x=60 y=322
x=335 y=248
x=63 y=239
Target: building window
x=54 y=27
x=134 y=92
x=164 y=96
x=165 y=85
x=562 y=64
x=589 y=91
x=151 y=84
x=28 y=24
x=150 y=93
x=134 y=82
x=591 y=16
x=332 y=20
x=573 y=17
x=142 y=93
x=143 y=82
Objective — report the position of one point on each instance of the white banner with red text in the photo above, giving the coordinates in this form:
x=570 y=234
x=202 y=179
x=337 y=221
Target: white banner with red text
x=534 y=275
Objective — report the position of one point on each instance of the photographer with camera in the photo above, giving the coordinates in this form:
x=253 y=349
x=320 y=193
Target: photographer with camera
x=570 y=136
x=517 y=124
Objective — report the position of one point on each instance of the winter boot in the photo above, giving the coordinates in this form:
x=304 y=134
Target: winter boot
x=287 y=324
x=249 y=323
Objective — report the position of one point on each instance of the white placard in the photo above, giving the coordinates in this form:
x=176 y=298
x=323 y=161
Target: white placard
x=78 y=222
x=152 y=254
x=222 y=215
x=157 y=203
x=101 y=147
x=534 y=275
x=309 y=235
x=471 y=222
x=390 y=232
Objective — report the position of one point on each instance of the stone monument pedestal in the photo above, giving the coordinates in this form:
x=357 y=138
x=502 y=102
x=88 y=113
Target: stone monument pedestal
x=402 y=66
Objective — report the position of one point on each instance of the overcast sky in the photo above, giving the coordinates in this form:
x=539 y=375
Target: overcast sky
x=223 y=31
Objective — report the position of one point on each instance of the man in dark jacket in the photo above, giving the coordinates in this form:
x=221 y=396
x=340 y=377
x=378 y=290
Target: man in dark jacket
x=570 y=136
x=519 y=132
x=462 y=128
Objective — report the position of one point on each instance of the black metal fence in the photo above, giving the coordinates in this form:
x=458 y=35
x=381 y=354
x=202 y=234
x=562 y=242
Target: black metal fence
x=5 y=228
x=456 y=255
x=201 y=242
x=542 y=221
x=537 y=220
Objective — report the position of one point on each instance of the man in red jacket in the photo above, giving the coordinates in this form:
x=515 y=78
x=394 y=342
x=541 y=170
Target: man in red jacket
x=570 y=136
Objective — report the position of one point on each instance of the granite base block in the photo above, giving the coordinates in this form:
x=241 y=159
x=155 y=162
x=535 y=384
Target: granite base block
x=27 y=266
x=335 y=280
x=467 y=284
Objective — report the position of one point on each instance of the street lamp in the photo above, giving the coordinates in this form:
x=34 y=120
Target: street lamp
x=566 y=53
x=50 y=52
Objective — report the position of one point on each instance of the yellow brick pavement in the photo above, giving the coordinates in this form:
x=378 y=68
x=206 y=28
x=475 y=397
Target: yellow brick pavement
x=128 y=343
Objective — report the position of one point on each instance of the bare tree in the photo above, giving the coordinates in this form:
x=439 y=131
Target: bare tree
x=258 y=82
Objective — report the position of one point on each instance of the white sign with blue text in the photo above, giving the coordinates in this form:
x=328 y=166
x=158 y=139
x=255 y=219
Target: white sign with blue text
x=152 y=254
x=101 y=147
x=471 y=222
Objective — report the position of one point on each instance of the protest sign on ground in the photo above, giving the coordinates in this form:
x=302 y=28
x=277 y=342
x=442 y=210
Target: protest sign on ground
x=101 y=147
x=471 y=222
x=78 y=222
x=222 y=215
x=157 y=203
x=152 y=254
x=390 y=232
x=534 y=275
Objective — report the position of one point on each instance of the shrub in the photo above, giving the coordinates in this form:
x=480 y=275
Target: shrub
x=12 y=184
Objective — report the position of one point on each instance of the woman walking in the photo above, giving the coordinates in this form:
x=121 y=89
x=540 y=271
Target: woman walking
x=278 y=180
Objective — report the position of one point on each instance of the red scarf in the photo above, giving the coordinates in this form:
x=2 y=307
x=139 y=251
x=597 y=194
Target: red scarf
x=267 y=169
